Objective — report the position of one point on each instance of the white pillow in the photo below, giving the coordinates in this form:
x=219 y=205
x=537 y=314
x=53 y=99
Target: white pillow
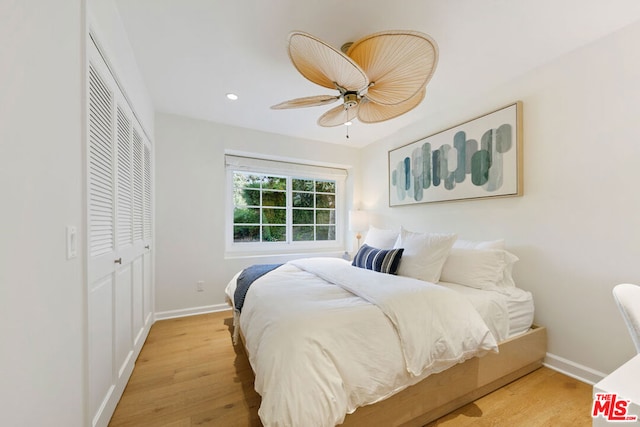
x=507 y=279
x=380 y=238
x=487 y=244
x=424 y=254
x=488 y=269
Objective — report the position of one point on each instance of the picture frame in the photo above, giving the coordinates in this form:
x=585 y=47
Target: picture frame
x=478 y=159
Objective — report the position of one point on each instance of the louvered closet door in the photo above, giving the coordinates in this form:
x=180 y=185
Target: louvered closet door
x=125 y=172
x=125 y=250
x=119 y=241
x=101 y=234
x=141 y=276
x=147 y=235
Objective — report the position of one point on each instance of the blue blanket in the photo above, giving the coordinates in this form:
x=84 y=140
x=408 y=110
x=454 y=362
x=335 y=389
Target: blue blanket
x=246 y=278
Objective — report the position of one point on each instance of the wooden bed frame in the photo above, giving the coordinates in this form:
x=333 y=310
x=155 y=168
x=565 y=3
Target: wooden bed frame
x=441 y=393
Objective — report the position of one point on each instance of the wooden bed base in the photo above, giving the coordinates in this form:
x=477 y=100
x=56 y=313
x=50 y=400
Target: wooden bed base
x=439 y=394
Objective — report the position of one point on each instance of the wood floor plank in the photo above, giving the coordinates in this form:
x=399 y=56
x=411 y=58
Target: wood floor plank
x=189 y=374
x=542 y=398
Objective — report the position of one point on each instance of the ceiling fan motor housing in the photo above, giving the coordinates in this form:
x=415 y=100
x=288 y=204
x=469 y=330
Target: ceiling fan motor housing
x=350 y=99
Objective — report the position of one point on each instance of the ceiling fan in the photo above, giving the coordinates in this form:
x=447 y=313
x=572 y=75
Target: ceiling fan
x=379 y=77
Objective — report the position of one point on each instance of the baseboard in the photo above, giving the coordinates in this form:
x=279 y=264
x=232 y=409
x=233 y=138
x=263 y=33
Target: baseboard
x=572 y=369
x=193 y=311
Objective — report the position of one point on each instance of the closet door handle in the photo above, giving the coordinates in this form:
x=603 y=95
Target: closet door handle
x=118 y=261
x=146 y=247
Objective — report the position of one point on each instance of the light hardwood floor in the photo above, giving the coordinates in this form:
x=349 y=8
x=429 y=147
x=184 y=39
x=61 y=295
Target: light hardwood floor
x=189 y=374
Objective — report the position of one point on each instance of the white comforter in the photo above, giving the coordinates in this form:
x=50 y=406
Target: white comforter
x=325 y=338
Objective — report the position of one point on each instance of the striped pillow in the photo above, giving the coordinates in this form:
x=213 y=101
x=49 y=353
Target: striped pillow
x=381 y=260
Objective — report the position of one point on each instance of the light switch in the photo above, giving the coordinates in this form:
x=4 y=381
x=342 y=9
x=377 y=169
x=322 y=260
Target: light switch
x=72 y=242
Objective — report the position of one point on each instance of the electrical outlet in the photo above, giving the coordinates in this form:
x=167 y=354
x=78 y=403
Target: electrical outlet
x=200 y=286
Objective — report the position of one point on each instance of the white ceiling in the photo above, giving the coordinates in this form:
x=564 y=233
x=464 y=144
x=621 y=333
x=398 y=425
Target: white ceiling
x=192 y=52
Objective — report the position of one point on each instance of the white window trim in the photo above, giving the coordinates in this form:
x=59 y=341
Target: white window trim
x=250 y=164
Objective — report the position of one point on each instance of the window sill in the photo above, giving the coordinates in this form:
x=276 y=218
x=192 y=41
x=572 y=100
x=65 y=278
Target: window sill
x=285 y=255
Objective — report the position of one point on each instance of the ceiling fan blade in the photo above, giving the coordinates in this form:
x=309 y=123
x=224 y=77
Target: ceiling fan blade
x=371 y=112
x=338 y=116
x=398 y=63
x=307 y=101
x=324 y=65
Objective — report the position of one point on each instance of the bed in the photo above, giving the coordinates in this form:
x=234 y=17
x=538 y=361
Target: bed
x=331 y=343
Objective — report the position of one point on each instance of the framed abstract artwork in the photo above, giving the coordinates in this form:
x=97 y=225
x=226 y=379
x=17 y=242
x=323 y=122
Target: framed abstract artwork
x=476 y=159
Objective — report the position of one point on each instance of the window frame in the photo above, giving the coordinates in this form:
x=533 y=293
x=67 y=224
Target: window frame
x=290 y=171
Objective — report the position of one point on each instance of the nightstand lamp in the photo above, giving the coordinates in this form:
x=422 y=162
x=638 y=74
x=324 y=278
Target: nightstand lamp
x=358 y=222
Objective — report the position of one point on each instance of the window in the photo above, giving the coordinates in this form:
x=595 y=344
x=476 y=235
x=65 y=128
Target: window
x=313 y=209
x=260 y=208
x=275 y=204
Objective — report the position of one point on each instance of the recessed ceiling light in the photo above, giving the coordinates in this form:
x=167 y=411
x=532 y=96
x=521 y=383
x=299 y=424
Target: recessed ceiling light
x=348 y=123
x=232 y=96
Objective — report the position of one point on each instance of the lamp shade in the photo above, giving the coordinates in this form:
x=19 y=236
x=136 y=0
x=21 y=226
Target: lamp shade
x=358 y=221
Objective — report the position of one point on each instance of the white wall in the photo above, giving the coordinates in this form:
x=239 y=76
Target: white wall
x=41 y=173
x=577 y=227
x=190 y=203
